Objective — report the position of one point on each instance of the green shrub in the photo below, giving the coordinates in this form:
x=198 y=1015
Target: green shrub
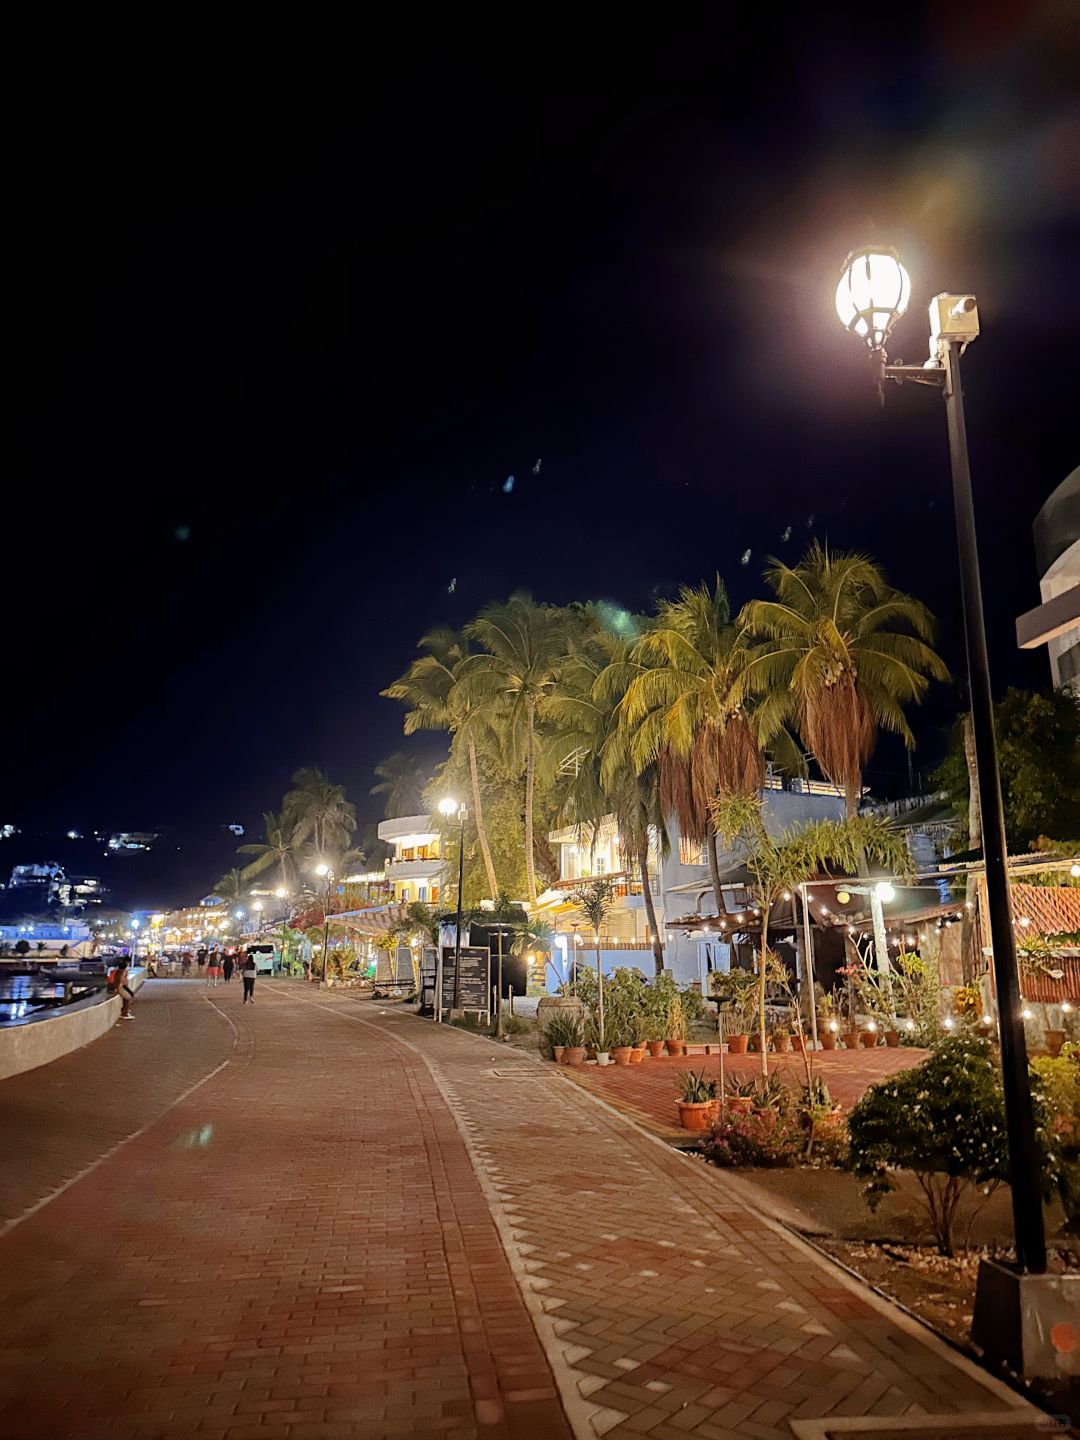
x=768 y=1138
x=516 y=1025
x=566 y=1028
x=945 y=1122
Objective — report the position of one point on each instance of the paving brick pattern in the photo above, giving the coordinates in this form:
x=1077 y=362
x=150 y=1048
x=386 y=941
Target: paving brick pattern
x=300 y=1250
x=648 y=1091
x=672 y=1309
x=365 y=1226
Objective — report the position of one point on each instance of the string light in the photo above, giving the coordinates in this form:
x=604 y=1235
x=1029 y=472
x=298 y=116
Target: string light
x=988 y=1020
x=1027 y=1014
x=910 y=1025
x=948 y=1022
x=1066 y=1008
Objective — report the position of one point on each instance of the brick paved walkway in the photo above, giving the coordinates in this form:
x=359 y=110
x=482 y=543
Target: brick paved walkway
x=363 y=1226
x=648 y=1091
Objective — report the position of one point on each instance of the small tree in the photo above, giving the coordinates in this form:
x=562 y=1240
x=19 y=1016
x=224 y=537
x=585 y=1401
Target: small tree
x=594 y=902
x=945 y=1122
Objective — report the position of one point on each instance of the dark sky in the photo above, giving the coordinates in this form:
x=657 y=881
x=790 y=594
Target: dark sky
x=312 y=309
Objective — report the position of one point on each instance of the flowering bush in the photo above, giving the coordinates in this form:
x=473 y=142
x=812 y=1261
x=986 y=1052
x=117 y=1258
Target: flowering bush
x=757 y=1137
x=945 y=1122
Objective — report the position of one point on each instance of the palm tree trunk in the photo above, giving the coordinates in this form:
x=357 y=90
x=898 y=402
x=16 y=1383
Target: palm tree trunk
x=650 y=908
x=714 y=868
x=762 y=977
x=530 y=781
x=481 y=828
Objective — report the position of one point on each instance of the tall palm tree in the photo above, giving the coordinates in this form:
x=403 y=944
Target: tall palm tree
x=403 y=780
x=438 y=702
x=603 y=778
x=686 y=714
x=524 y=648
x=319 y=810
x=837 y=654
x=278 y=847
x=232 y=887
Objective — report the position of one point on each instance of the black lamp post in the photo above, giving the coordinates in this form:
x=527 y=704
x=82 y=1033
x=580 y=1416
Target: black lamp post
x=873 y=293
x=324 y=869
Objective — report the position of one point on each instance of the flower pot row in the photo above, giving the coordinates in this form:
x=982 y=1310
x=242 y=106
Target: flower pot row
x=620 y=1054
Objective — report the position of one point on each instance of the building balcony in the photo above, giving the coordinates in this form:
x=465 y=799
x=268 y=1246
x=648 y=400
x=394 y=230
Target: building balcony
x=414 y=869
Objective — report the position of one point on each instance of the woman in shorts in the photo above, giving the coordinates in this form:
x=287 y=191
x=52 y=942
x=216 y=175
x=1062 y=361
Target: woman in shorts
x=213 y=967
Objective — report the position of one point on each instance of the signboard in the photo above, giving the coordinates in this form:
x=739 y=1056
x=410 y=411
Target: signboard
x=474 y=992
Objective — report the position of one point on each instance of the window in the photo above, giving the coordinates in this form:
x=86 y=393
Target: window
x=421 y=892
x=690 y=852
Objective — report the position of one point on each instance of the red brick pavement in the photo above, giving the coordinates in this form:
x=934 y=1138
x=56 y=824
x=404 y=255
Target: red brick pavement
x=366 y=1226
x=648 y=1091
x=300 y=1249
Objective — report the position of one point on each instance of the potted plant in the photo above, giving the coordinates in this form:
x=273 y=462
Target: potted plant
x=735 y=990
x=740 y=1095
x=697 y=1098
x=779 y=1037
x=594 y=1049
x=868 y=1035
x=675 y=1027
x=560 y=1034
x=567 y=1031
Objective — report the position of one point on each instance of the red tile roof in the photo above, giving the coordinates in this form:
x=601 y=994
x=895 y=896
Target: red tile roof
x=1052 y=909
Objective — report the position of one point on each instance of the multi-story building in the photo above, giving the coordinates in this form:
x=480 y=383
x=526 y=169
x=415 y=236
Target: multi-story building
x=679 y=880
x=416 y=868
x=1057 y=548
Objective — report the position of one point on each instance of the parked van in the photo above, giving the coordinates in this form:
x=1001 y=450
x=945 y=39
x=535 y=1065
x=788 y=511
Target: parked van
x=264 y=953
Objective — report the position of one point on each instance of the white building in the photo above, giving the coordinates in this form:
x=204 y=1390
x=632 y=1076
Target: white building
x=680 y=883
x=416 y=869
x=1057 y=547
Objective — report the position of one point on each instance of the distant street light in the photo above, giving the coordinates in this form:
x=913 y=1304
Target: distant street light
x=448 y=807
x=872 y=295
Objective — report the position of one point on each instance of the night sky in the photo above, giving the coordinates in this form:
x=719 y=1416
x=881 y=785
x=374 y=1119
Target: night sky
x=311 y=311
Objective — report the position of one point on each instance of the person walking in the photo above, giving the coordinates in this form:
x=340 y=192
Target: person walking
x=228 y=965
x=247 y=974
x=213 y=967
x=200 y=960
x=118 y=984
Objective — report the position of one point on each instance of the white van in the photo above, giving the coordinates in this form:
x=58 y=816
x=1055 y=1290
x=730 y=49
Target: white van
x=264 y=953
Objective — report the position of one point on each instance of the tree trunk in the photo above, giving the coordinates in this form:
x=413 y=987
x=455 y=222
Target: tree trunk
x=761 y=989
x=481 y=828
x=714 y=868
x=530 y=780
x=974 y=814
x=600 y=1036
x=650 y=908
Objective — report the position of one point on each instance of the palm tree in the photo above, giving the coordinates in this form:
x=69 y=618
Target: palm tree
x=438 y=702
x=780 y=863
x=319 y=811
x=686 y=713
x=603 y=779
x=232 y=887
x=279 y=847
x=403 y=780
x=838 y=654
x=525 y=646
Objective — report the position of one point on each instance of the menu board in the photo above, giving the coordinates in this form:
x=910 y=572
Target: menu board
x=475 y=990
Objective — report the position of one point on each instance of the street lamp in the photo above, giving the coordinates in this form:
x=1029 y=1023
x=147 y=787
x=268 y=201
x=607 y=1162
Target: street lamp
x=872 y=295
x=323 y=869
x=447 y=808
x=134 y=938
x=258 y=909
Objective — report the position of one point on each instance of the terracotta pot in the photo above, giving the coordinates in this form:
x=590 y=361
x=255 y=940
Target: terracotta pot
x=851 y=1039
x=637 y=1054
x=753 y=1044
x=694 y=1115
x=740 y=1104
x=621 y=1054
x=590 y=1052
x=714 y=1111
x=558 y=1051
x=828 y=1039
x=781 y=1042
x=892 y=1038
x=574 y=1055
x=656 y=1048
x=984 y=1032
x=1055 y=1039
x=675 y=1047
x=868 y=1039
x=797 y=1043
x=736 y=1044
